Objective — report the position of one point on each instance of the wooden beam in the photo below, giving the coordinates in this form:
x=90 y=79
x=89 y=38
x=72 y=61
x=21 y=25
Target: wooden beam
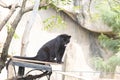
x=34 y=61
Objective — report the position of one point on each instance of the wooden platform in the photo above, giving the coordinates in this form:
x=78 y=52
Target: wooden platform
x=39 y=65
x=34 y=61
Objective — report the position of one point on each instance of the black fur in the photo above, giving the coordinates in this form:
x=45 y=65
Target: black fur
x=53 y=49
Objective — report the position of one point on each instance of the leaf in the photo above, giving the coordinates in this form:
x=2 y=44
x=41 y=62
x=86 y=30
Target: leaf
x=16 y=36
x=53 y=22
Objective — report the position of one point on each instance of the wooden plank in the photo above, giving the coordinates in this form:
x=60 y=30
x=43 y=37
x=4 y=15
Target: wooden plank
x=32 y=65
x=34 y=61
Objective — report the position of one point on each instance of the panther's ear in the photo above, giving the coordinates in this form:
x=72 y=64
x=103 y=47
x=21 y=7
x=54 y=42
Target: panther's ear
x=69 y=37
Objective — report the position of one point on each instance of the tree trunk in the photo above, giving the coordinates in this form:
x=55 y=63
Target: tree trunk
x=28 y=27
x=10 y=36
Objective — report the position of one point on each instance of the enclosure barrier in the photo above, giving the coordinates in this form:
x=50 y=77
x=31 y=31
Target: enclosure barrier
x=72 y=74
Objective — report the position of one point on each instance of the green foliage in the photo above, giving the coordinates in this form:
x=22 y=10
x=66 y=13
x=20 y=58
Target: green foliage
x=108 y=65
x=109 y=11
x=76 y=8
x=63 y=2
x=53 y=3
x=98 y=63
x=95 y=17
x=112 y=19
x=54 y=22
x=109 y=43
x=101 y=65
x=114 y=5
x=9 y=29
x=44 y=8
x=16 y=36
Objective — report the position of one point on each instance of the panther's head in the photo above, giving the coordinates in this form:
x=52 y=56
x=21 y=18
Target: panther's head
x=65 y=39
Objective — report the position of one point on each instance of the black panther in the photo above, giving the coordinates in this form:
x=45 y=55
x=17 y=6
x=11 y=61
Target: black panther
x=52 y=51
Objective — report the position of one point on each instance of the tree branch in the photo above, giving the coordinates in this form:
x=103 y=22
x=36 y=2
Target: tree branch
x=10 y=36
x=2 y=24
x=12 y=10
x=31 y=7
x=2 y=4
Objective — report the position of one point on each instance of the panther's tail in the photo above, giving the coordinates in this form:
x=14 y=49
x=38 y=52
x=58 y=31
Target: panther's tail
x=21 y=57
